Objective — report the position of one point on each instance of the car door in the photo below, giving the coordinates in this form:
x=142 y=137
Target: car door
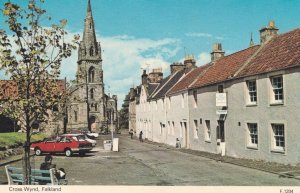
x=60 y=144
x=48 y=145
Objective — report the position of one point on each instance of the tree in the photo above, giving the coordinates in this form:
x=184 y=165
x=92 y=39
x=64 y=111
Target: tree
x=31 y=56
x=124 y=112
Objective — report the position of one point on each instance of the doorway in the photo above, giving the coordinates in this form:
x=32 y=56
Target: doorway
x=221 y=131
x=92 y=123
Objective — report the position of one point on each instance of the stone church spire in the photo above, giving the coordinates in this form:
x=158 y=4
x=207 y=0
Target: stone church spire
x=89 y=48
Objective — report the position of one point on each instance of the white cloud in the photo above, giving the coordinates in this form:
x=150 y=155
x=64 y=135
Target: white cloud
x=205 y=35
x=203 y=58
x=124 y=57
x=199 y=35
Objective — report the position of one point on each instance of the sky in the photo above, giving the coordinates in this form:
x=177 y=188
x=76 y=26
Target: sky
x=147 y=34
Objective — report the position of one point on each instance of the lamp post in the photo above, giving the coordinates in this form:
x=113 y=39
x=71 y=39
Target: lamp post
x=111 y=124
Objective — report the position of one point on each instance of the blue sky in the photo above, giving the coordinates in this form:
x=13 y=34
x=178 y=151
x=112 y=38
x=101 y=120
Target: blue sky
x=134 y=33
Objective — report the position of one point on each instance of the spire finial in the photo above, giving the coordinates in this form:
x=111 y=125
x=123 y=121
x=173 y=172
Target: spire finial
x=89 y=9
x=251 y=41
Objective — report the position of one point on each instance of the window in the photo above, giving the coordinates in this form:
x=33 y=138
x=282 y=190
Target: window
x=91 y=51
x=220 y=88
x=92 y=93
x=252 y=135
x=207 y=130
x=75 y=116
x=252 y=94
x=92 y=74
x=169 y=127
x=195 y=129
x=195 y=98
x=277 y=87
x=278 y=137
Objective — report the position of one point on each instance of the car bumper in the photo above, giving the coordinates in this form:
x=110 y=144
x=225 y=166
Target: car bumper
x=82 y=149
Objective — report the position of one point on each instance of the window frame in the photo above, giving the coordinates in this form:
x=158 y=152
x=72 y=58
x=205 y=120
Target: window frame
x=274 y=90
x=250 y=134
x=196 y=129
x=207 y=135
x=251 y=92
x=195 y=97
x=274 y=146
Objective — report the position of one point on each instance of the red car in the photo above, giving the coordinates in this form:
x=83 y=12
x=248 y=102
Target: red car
x=67 y=144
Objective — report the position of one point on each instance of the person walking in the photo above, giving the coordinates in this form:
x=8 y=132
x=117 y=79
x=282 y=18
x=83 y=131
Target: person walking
x=141 y=136
x=131 y=133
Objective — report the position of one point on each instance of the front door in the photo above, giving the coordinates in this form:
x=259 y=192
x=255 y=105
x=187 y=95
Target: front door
x=221 y=131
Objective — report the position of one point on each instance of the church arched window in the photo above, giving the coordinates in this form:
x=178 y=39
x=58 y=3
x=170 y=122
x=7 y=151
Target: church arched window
x=92 y=74
x=75 y=116
x=96 y=107
x=91 y=51
x=92 y=93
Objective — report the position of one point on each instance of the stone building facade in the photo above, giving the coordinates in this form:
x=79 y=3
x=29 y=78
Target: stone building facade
x=89 y=107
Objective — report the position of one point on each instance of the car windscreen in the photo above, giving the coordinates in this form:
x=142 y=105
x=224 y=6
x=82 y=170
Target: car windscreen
x=79 y=138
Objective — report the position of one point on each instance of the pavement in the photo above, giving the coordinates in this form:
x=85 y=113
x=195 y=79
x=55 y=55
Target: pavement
x=152 y=164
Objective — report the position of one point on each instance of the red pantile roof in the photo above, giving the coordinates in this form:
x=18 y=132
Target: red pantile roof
x=225 y=67
x=9 y=89
x=189 y=79
x=280 y=52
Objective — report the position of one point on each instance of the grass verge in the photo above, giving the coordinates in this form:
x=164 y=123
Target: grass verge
x=11 y=140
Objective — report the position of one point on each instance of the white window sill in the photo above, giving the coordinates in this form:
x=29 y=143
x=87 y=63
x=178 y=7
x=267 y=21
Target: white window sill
x=254 y=147
x=281 y=151
x=251 y=105
x=276 y=103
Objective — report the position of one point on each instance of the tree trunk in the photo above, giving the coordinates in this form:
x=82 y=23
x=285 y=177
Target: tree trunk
x=26 y=157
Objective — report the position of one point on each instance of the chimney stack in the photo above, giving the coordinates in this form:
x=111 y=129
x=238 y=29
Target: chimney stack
x=267 y=33
x=156 y=75
x=189 y=61
x=176 y=67
x=217 y=52
x=144 y=77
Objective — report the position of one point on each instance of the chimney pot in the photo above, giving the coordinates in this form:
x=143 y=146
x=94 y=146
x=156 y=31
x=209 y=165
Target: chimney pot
x=267 y=33
x=217 y=52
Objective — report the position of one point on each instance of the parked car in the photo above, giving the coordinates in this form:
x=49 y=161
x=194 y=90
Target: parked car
x=81 y=137
x=90 y=134
x=62 y=144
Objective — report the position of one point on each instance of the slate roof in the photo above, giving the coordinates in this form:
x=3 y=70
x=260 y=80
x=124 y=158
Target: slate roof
x=279 y=53
x=164 y=88
x=151 y=87
x=187 y=80
x=225 y=68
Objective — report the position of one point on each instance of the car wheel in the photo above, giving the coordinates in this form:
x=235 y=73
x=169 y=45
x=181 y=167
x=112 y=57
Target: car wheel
x=38 y=151
x=68 y=152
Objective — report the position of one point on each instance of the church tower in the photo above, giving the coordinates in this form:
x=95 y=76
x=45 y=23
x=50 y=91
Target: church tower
x=87 y=101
